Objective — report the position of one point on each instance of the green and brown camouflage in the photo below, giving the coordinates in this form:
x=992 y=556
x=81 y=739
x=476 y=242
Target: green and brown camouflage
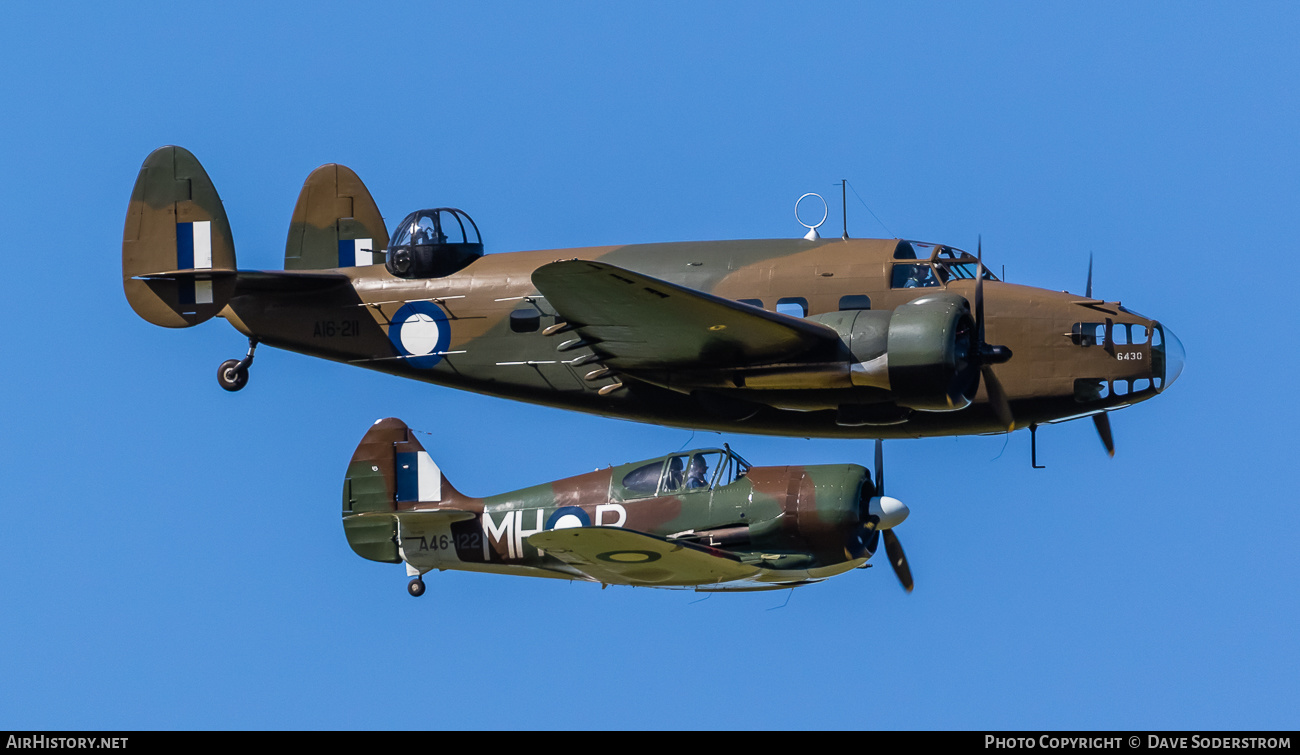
x=702 y=519
x=892 y=342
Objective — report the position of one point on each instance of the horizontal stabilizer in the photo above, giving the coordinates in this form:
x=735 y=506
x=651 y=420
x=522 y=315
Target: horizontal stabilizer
x=178 y=256
x=617 y=556
x=288 y=281
x=635 y=321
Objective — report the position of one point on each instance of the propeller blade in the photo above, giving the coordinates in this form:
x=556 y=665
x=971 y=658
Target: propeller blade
x=998 y=398
x=880 y=467
x=1087 y=293
x=894 y=550
x=1102 y=421
x=979 y=293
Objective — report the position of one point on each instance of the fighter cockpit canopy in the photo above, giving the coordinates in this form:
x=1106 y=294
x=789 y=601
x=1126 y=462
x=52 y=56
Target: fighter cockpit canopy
x=433 y=243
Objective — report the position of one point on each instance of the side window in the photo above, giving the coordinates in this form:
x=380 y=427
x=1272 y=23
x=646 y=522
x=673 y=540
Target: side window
x=644 y=479
x=752 y=302
x=913 y=276
x=1119 y=334
x=674 y=476
x=1087 y=333
x=1087 y=390
x=795 y=306
x=525 y=319
x=855 y=301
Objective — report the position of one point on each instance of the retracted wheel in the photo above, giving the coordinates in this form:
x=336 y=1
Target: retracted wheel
x=415 y=587
x=232 y=374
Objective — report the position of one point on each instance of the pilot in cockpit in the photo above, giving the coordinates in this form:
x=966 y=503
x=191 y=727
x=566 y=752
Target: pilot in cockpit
x=696 y=475
x=922 y=277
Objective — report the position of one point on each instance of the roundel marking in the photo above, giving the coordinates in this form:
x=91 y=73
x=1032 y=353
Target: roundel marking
x=420 y=332
x=567 y=517
x=629 y=557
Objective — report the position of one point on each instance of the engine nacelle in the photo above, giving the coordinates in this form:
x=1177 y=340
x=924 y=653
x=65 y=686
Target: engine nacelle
x=918 y=352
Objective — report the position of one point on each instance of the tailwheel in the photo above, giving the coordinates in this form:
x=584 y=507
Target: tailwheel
x=233 y=373
x=415 y=587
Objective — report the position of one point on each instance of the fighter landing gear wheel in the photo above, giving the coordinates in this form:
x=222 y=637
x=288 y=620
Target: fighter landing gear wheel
x=415 y=587
x=232 y=375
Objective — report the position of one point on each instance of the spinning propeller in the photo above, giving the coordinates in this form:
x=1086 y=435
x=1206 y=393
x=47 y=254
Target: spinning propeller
x=1101 y=421
x=983 y=355
x=883 y=514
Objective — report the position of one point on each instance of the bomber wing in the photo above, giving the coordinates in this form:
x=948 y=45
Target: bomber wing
x=617 y=556
x=635 y=321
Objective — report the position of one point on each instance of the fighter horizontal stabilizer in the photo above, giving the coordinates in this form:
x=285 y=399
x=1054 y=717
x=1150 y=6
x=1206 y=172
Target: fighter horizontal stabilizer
x=617 y=556
x=635 y=321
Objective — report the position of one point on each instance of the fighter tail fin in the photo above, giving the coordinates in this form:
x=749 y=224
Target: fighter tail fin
x=389 y=472
x=336 y=223
x=178 y=257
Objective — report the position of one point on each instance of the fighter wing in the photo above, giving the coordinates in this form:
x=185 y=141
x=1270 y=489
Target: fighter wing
x=636 y=321
x=617 y=556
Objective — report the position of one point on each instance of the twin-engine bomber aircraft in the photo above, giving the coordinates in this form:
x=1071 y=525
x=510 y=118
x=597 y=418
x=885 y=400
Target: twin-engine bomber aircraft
x=866 y=338
x=702 y=519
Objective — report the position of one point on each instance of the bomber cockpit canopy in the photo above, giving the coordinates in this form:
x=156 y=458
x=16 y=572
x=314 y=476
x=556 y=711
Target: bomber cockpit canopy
x=433 y=243
x=932 y=265
x=683 y=472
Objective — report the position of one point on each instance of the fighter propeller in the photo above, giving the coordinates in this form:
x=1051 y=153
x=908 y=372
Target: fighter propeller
x=885 y=513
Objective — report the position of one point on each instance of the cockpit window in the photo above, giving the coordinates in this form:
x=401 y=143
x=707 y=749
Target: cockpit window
x=673 y=477
x=687 y=472
x=700 y=470
x=644 y=479
x=914 y=250
x=914 y=276
x=954 y=263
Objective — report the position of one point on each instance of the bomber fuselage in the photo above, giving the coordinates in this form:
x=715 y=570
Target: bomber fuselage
x=1071 y=356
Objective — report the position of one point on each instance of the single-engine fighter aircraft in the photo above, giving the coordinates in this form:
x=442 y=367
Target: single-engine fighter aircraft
x=808 y=337
x=702 y=519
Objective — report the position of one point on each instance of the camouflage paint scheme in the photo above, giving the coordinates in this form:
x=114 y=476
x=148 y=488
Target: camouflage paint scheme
x=752 y=371
x=770 y=527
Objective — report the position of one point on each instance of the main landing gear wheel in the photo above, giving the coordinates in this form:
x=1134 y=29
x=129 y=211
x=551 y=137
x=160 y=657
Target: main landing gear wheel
x=415 y=587
x=233 y=373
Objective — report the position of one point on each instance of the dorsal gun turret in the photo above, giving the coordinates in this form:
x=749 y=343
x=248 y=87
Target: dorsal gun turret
x=433 y=243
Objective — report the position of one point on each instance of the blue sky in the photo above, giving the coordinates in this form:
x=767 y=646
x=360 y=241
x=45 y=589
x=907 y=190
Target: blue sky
x=172 y=556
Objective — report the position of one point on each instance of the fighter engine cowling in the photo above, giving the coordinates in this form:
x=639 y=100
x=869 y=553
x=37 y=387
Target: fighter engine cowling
x=919 y=352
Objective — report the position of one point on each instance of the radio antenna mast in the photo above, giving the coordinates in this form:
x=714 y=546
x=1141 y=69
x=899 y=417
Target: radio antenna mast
x=844 y=202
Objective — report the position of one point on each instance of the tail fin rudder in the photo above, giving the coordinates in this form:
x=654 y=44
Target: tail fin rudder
x=389 y=472
x=335 y=223
x=178 y=256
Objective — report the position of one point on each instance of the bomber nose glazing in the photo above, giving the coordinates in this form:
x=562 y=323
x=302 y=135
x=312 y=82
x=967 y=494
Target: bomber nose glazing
x=1171 y=355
